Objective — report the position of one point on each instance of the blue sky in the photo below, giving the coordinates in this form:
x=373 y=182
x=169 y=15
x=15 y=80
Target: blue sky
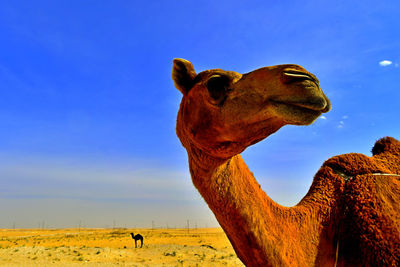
x=88 y=108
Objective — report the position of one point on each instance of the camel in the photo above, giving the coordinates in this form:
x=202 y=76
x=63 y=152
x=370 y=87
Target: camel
x=136 y=238
x=351 y=213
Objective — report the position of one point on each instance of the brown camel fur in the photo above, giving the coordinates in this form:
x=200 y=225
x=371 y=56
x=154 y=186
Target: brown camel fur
x=349 y=217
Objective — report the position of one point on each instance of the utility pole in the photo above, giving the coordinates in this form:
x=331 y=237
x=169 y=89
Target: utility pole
x=187 y=226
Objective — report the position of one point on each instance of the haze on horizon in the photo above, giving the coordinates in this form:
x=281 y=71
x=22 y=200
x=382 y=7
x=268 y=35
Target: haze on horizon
x=88 y=107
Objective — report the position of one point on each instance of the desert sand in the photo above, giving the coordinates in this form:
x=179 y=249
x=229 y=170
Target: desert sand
x=115 y=247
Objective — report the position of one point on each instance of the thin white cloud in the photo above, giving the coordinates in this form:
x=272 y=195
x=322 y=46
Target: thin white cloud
x=322 y=117
x=385 y=63
x=345 y=117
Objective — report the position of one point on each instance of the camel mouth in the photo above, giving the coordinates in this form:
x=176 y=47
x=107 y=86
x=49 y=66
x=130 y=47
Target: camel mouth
x=312 y=105
x=310 y=85
x=318 y=104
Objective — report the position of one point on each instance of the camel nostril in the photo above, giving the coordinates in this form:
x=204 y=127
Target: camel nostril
x=291 y=75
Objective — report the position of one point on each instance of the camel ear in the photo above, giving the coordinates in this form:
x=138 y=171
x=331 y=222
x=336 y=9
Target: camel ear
x=183 y=75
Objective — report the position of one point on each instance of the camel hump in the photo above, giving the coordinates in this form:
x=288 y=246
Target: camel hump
x=372 y=226
x=386 y=144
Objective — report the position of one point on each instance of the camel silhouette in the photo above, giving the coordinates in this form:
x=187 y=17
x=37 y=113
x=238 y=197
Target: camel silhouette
x=136 y=238
x=351 y=213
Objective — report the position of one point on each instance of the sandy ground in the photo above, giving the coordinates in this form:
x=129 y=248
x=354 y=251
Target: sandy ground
x=115 y=247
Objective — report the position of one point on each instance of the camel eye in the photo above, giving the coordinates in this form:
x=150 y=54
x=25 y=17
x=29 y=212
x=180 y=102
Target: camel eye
x=217 y=87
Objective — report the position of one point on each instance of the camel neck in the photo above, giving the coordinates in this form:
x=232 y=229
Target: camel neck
x=238 y=202
x=202 y=164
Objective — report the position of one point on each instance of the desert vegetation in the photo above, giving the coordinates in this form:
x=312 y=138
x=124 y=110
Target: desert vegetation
x=115 y=247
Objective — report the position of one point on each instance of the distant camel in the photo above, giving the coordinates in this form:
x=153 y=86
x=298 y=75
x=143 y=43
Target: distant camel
x=137 y=237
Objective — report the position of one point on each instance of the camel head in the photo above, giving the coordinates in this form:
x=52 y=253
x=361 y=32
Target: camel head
x=223 y=112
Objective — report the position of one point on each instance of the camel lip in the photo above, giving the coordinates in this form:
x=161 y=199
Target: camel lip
x=310 y=105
